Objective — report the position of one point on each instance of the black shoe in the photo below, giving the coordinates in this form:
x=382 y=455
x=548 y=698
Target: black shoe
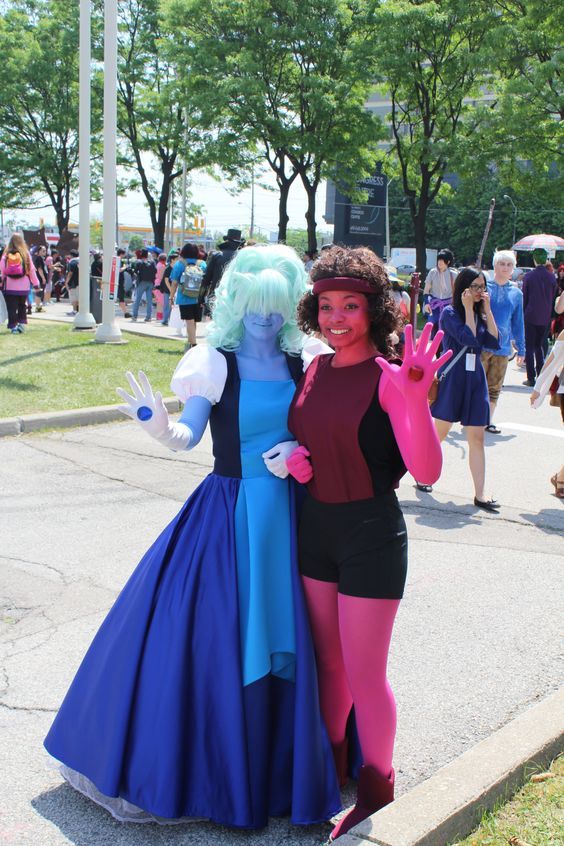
x=487 y=505
x=529 y=383
x=493 y=430
x=424 y=488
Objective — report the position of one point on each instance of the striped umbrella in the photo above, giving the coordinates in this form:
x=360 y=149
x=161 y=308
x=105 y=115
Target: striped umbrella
x=551 y=243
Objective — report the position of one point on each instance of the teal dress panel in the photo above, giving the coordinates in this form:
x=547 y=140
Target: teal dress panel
x=263 y=536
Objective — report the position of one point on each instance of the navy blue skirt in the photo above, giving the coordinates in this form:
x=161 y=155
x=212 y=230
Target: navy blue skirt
x=157 y=713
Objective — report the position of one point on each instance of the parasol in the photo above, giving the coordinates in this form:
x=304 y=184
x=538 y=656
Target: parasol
x=550 y=243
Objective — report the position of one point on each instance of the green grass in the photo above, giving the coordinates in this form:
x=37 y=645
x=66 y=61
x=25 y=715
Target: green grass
x=52 y=368
x=534 y=816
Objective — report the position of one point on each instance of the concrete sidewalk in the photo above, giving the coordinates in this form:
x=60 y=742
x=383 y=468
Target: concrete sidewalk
x=59 y=312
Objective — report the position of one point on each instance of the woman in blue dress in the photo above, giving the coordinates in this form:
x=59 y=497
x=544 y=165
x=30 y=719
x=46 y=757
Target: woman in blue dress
x=198 y=696
x=469 y=326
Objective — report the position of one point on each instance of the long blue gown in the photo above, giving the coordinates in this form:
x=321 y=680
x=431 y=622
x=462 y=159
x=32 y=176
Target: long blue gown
x=198 y=696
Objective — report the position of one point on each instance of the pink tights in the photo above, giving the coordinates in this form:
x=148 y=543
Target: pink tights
x=352 y=636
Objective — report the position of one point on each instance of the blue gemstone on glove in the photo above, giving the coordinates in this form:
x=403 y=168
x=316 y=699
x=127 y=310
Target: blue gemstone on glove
x=144 y=413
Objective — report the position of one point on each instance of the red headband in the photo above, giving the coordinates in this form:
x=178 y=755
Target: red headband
x=342 y=283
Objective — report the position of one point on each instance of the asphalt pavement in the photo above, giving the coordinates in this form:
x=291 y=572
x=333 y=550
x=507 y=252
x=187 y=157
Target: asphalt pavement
x=476 y=642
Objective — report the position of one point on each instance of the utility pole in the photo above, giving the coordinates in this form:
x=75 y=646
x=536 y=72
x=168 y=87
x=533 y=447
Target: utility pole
x=108 y=331
x=252 y=226
x=84 y=318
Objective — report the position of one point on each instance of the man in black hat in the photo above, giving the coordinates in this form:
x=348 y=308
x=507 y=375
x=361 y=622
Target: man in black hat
x=217 y=263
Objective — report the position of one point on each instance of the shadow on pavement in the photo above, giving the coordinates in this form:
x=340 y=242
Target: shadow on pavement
x=84 y=823
x=547 y=519
x=441 y=515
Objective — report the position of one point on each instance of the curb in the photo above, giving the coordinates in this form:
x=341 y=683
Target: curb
x=450 y=804
x=11 y=426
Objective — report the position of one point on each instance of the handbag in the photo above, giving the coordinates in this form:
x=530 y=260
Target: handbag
x=433 y=394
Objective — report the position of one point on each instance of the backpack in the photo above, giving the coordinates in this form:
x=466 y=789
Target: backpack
x=191 y=280
x=15 y=266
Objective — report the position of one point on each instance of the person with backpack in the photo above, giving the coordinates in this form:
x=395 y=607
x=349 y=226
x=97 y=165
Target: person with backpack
x=18 y=277
x=145 y=272
x=186 y=278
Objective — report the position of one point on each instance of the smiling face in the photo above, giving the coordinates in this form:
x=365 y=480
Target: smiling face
x=344 y=320
x=262 y=327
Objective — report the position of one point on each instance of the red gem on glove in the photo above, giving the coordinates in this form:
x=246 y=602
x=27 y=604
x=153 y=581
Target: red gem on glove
x=415 y=373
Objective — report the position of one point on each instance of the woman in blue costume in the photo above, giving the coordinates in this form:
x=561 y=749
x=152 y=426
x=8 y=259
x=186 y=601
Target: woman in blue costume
x=198 y=696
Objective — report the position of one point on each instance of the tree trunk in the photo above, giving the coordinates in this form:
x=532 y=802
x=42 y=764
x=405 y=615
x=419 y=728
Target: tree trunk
x=283 y=219
x=311 y=190
x=420 y=232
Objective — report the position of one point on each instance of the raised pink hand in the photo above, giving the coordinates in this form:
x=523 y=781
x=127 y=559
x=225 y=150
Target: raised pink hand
x=413 y=378
x=299 y=465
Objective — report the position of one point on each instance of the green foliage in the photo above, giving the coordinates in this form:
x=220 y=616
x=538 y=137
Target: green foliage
x=153 y=117
x=288 y=84
x=39 y=104
x=431 y=59
x=136 y=243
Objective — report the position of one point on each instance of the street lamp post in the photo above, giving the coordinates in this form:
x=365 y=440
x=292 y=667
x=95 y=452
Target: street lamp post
x=84 y=319
x=507 y=197
x=108 y=331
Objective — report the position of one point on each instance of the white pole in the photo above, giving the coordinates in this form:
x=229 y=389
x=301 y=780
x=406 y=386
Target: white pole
x=184 y=174
x=108 y=330
x=84 y=319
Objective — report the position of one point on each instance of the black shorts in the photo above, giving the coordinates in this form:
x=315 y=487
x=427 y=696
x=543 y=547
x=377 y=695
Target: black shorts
x=360 y=545
x=191 y=312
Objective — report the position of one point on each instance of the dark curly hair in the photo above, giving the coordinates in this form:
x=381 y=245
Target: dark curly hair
x=360 y=263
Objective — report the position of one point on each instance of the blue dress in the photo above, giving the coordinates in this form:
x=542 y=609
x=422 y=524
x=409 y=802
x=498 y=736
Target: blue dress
x=198 y=696
x=463 y=394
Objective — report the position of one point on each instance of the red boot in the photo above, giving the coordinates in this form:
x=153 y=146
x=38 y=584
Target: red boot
x=341 y=757
x=374 y=792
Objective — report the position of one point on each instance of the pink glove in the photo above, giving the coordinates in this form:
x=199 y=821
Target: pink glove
x=299 y=465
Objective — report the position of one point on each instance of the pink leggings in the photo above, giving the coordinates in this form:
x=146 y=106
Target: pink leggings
x=352 y=637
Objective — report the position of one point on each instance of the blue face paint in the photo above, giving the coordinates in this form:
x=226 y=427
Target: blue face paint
x=262 y=327
x=144 y=413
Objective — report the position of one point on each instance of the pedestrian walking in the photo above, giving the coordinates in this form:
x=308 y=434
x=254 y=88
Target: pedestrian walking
x=439 y=286
x=72 y=280
x=219 y=260
x=145 y=273
x=186 y=280
x=18 y=276
x=506 y=301
x=360 y=422
x=540 y=290
x=469 y=326
x=552 y=374
x=198 y=696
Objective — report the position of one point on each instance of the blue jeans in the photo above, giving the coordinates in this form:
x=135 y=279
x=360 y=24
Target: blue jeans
x=140 y=289
x=166 y=308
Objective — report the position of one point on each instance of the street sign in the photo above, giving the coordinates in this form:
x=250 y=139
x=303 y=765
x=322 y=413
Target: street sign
x=363 y=224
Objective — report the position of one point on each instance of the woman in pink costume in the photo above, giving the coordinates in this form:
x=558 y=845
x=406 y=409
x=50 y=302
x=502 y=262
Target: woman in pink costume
x=361 y=421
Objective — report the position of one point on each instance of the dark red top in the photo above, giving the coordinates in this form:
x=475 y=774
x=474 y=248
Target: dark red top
x=337 y=415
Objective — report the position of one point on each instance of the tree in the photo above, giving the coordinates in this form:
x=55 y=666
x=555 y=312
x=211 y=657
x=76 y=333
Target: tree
x=156 y=122
x=293 y=84
x=431 y=60
x=39 y=105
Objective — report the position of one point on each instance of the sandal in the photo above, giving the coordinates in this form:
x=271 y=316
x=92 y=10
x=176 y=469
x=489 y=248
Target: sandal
x=558 y=486
x=492 y=429
x=424 y=488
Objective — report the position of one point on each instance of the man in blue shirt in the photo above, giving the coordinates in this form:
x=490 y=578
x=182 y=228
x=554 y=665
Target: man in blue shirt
x=507 y=308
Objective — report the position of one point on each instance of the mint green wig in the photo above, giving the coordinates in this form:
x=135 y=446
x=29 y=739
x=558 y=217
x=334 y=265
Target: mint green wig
x=259 y=280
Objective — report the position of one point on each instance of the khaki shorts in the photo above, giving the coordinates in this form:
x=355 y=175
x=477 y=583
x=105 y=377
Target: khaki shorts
x=495 y=367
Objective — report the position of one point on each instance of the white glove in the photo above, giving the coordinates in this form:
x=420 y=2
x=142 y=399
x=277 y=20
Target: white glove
x=150 y=412
x=275 y=458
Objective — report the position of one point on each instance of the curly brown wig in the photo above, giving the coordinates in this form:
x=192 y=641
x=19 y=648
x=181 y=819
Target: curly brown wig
x=360 y=263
